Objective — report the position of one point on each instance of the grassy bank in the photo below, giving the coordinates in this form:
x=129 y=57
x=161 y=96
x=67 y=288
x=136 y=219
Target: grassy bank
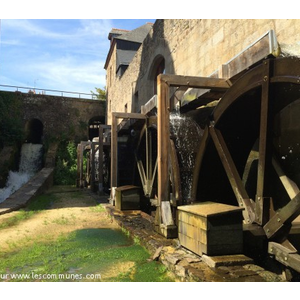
x=88 y=251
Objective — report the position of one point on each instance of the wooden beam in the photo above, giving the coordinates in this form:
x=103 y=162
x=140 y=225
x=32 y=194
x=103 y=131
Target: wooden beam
x=283 y=217
x=93 y=173
x=163 y=219
x=219 y=84
x=114 y=152
x=261 y=48
x=284 y=255
x=81 y=184
x=78 y=166
x=151 y=181
x=163 y=133
x=263 y=144
x=233 y=175
x=122 y=115
x=100 y=158
x=94 y=149
x=290 y=186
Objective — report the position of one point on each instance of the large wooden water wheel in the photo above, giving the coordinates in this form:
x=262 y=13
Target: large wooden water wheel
x=146 y=161
x=250 y=154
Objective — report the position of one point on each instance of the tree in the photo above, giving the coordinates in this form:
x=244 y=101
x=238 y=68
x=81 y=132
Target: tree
x=100 y=94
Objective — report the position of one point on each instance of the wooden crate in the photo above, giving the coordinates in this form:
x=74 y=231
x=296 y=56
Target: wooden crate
x=127 y=197
x=211 y=228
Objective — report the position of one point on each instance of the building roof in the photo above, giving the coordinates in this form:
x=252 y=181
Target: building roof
x=136 y=35
x=116 y=32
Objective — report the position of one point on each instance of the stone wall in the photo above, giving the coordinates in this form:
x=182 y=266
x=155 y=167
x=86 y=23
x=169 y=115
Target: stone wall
x=189 y=47
x=60 y=116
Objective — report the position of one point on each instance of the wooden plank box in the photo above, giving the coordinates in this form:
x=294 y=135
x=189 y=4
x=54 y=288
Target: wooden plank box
x=127 y=197
x=211 y=228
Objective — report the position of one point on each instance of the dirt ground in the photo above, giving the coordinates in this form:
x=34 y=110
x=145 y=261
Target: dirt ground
x=71 y=211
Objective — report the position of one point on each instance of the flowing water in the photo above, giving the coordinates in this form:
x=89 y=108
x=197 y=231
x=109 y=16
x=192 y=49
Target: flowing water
x=30 y=163
x=187 y=135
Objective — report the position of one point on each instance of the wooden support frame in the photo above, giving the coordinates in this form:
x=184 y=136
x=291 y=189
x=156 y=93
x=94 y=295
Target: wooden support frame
x=114 y=142
x=94 y=148
x=80 y=150
x=164 y=83
x=101 y=144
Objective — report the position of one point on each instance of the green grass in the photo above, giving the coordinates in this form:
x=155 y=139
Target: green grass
x=41 y=202
x=37 y=204
x=97 y=208
x=85 y=251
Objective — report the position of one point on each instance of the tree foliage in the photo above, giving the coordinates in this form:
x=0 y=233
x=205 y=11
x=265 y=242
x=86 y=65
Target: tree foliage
x=66 y=164
x=100 y=94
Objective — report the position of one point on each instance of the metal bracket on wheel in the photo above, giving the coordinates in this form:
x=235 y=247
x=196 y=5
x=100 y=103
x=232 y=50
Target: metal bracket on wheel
x=286 y=256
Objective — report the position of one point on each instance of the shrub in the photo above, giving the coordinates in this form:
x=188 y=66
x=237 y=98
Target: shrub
x=66 y=164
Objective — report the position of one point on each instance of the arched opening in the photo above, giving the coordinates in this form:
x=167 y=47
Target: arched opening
x=158 y=67
x=34 y=131
x=94 y=124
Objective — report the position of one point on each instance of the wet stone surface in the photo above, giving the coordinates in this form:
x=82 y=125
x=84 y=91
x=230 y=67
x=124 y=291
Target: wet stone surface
x=184 y=264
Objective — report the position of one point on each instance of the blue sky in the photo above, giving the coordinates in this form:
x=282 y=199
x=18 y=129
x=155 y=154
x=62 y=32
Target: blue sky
x=60 y=54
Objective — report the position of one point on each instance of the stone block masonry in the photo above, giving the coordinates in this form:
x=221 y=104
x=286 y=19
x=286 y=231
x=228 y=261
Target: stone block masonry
x=193 y=47
x=59 y=115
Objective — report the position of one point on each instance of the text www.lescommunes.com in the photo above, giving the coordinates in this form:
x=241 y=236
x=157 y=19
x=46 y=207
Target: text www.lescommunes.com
x=35 y=276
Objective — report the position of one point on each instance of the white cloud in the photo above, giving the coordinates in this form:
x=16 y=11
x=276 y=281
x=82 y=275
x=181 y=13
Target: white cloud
x=99 y=28
x=28 y=27
x=70 y=75
x=61 y=54
x=42 y=55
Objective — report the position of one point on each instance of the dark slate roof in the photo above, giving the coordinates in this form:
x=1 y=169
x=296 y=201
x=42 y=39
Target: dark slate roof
x=124 y=57
x=116 y=32
x=136 y=35
x=128 y=39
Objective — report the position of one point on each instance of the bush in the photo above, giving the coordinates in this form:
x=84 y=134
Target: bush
x=66 y=164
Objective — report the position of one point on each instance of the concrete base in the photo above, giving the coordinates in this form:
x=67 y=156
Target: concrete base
x=35 y=186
